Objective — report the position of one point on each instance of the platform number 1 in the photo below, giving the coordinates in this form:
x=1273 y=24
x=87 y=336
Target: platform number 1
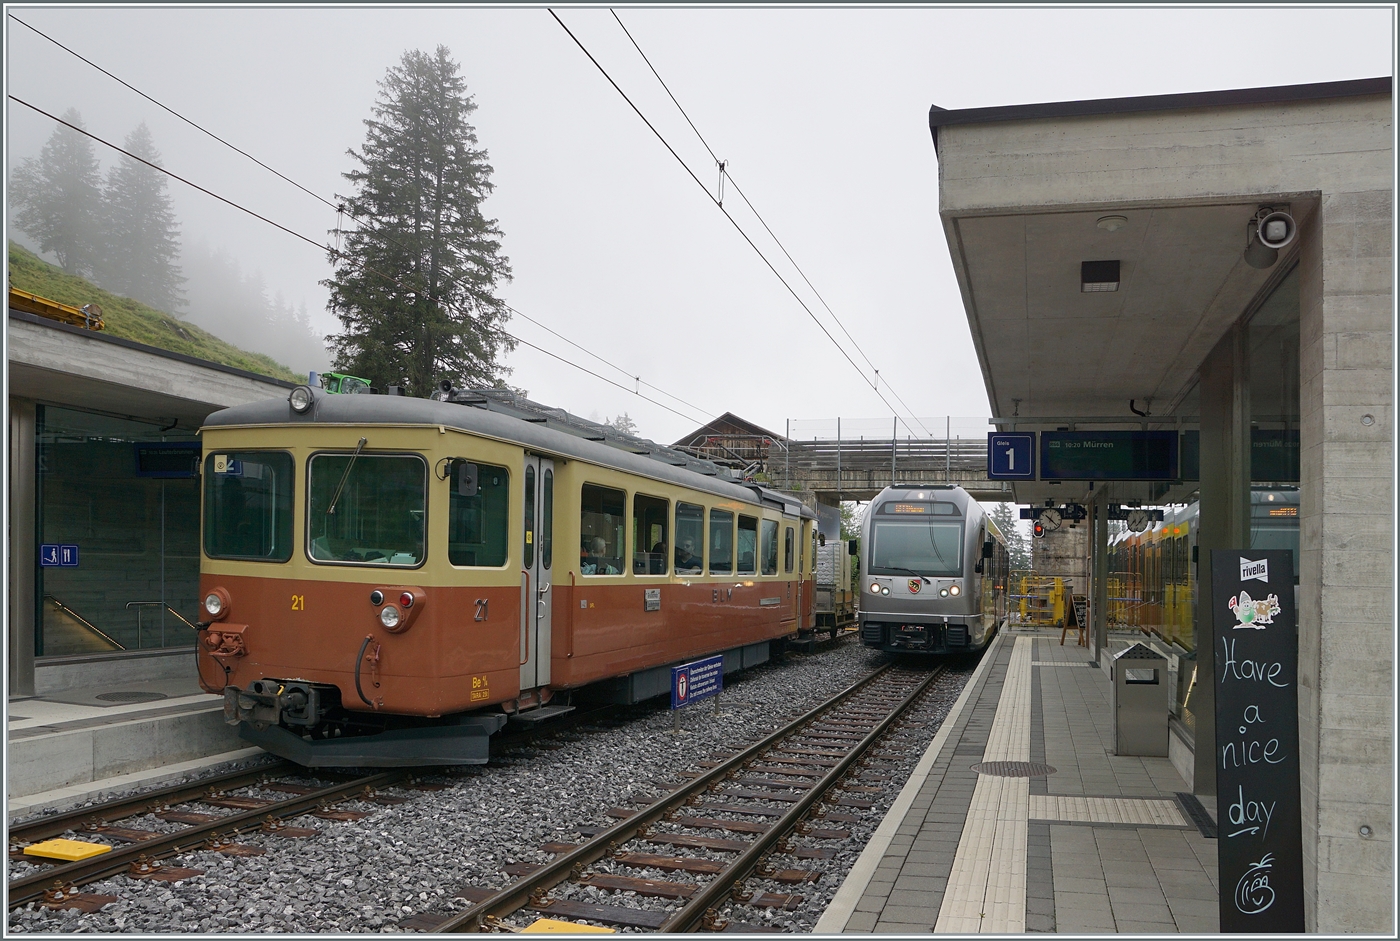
x=1011 y=459
x=298 y=602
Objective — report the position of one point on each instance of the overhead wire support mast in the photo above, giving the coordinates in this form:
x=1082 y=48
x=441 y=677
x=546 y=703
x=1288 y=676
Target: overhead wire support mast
x=738 y=228
x=723 y=175
x=341 y=210
x=338 y=254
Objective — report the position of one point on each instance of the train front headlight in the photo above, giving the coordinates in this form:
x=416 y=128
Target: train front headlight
x=217 y=604
x=884 y=591
x=301 y=399
x=943 y=593
x=955 y=590
x=875 y=587
x=389 y=616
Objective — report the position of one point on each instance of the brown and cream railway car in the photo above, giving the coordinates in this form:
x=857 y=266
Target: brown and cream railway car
x=386 y=580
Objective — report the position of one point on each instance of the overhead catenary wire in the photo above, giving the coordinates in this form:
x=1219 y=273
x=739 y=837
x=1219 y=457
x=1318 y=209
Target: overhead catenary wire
x=738 y=228
x=336 y=253
x=340 y=208
x=725 y=174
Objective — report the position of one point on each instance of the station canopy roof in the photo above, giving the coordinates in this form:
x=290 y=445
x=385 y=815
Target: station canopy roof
x=1019 y=228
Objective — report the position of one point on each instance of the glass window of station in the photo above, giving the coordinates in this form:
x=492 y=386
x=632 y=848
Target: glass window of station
x=117 y=523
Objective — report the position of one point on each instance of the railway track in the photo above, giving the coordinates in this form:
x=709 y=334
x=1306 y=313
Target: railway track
x=794 y=783
x=141 y=852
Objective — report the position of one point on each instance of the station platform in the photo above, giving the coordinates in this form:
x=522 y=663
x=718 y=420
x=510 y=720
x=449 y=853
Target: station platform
x=64 y=747
x=1103 y=844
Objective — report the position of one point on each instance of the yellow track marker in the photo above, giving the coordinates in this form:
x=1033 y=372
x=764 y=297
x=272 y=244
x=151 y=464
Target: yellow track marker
x=555 y=926
x=70 y=850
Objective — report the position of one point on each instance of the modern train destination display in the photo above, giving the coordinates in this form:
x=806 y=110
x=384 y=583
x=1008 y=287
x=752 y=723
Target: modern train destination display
x=1108 y=455
x=1259 y=810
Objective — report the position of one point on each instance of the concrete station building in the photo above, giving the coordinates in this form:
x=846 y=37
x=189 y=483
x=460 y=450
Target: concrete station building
x=1190 y=330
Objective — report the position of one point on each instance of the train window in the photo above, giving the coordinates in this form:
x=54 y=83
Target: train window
x=721 y=542
x=921 y=545
x=601 y=515
x=770 y=547
x=650 y=548
x=366 y=509
x=529 y=517
x=248 y=505
x=801 y=555
x=690 y=539
x=547 y=520
x=813 y=569
x=478 y=526
x=787 y=549
x=748 y=545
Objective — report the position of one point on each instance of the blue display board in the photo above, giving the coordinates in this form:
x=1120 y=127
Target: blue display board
x=1011 y=455
x=167 y=459
x=699 y=679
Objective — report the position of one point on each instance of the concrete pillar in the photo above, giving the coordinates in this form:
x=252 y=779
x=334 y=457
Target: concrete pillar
x=1224 y=520
x=1346 y=586
x=22 y=541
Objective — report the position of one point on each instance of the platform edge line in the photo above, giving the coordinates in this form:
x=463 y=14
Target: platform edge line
x=843 y=904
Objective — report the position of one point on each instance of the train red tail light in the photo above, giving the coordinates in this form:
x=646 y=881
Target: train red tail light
x=406 y=599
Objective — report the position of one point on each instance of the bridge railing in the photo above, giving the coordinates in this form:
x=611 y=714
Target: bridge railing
x=870 y=453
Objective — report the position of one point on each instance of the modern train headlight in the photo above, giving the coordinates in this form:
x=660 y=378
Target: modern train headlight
x=955 y=590
x=943 y=593
x=217 y=604
x=389 y=616
x=885 y=590
x=875 y=587
x=301 y=399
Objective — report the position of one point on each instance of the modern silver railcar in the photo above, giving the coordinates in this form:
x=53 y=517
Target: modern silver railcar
x=934 y=571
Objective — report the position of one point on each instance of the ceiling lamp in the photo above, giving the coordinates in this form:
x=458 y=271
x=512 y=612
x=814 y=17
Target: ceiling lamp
x=1098 y=276
x=1112 y=223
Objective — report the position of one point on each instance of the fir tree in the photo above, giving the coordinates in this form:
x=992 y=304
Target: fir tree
x=1007 y=520
x=57 y=198
x=141 y=235
x=415 y=283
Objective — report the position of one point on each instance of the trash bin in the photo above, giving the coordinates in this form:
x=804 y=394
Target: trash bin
x=1138 y=702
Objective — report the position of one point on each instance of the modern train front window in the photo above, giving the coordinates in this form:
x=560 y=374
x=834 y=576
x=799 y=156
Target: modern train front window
x=919 y=544
x=478 y=526
x=721 y=542
x=366 y=509
x=248 y=505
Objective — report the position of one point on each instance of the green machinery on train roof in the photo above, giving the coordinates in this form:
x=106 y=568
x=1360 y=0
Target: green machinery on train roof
x=342 y=383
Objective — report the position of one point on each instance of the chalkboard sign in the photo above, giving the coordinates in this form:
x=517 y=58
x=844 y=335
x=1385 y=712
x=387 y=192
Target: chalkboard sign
x=1081 y=611
x=1259 y=811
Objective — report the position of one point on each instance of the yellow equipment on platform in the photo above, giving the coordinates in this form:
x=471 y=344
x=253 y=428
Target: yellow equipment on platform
x=1040 y=599
x=89 y=316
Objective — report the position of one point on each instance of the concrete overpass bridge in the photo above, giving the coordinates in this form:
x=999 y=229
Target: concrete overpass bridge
x=859 y=469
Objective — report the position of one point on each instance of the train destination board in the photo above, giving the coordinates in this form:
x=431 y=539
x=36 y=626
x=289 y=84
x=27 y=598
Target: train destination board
x=1260 y=845
x=1108 y=455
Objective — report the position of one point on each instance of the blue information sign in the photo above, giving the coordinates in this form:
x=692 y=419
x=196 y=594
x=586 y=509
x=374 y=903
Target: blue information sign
x=699 y=679
x=52 y=555
x=1011 y=456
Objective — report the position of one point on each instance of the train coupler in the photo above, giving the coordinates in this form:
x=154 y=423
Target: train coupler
x=273 y=702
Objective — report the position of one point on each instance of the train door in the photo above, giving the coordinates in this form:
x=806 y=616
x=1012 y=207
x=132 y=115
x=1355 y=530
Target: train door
x=536 y=577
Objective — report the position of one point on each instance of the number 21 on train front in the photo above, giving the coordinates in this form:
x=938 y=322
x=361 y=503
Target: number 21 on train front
x=1011 y=456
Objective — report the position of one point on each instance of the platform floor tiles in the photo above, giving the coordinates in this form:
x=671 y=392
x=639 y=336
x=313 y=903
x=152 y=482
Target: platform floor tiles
x=1099 y=846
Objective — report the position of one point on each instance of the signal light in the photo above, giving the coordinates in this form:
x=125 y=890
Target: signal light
x=1038 y=529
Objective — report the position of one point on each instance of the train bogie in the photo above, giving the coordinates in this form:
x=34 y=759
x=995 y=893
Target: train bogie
x=412 y=573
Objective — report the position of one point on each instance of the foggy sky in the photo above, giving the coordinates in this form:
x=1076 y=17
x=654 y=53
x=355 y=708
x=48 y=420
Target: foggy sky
x=822 y=115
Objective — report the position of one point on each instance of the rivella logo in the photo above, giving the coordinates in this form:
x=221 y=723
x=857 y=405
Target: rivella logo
x=1256 y=571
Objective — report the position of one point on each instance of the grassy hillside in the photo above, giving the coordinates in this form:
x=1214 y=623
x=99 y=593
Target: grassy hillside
x=132 y=320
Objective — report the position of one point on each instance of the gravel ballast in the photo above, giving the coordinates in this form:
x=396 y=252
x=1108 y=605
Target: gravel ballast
x=409 y=859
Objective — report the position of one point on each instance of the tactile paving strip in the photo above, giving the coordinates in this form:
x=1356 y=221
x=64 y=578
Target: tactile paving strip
x=1129 y=810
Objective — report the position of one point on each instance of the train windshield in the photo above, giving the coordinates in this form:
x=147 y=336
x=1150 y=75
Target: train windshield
x=366 y=508
x=248 y=505
x=923 y=546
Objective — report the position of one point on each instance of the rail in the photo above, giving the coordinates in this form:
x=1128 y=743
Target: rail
x=84 y=622
x=140 y=606
x=694 y=915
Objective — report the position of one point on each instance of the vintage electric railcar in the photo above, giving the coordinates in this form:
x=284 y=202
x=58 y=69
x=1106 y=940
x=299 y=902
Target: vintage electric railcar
x=934 y=572
x=386 y=580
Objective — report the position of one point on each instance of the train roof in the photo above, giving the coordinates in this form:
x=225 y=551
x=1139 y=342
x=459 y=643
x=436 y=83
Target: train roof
x=507 y=417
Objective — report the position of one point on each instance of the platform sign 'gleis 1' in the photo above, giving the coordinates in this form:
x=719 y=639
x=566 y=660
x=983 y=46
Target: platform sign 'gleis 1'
x=1259 y=809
